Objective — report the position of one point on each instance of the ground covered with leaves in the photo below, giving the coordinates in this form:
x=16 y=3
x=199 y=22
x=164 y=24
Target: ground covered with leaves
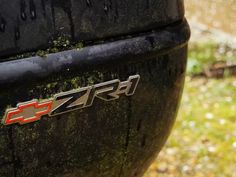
x=203 y=141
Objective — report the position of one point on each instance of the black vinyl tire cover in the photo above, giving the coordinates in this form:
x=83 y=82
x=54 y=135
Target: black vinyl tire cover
x=29 y=25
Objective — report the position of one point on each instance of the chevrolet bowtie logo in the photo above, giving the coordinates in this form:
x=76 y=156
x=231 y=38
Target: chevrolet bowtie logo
x=28 y=112
x=72 y=100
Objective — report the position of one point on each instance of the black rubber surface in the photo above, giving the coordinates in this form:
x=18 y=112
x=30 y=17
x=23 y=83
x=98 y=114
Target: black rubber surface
x=28 y=25
x=62 y=64
x=119 y=138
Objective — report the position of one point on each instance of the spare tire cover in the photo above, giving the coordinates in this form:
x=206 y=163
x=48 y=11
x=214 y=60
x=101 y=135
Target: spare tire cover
x=28 y=25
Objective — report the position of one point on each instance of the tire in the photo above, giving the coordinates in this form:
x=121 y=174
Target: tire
x=30 y=25
x=115 y=134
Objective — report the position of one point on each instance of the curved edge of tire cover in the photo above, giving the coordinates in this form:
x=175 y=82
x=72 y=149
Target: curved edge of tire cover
x=64 y=64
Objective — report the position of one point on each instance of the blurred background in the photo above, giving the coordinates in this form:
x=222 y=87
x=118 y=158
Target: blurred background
x=203 y=142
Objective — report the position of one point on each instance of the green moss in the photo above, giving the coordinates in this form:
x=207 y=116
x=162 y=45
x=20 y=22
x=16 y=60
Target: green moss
x=79 y=46
x=61 y=42
x=57 y=45
x=42 y=53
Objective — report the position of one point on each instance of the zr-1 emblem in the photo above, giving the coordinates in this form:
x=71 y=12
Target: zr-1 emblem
x=33 y=110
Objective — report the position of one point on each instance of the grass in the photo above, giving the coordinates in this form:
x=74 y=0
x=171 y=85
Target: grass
x=202 y=55
x=203 y=142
